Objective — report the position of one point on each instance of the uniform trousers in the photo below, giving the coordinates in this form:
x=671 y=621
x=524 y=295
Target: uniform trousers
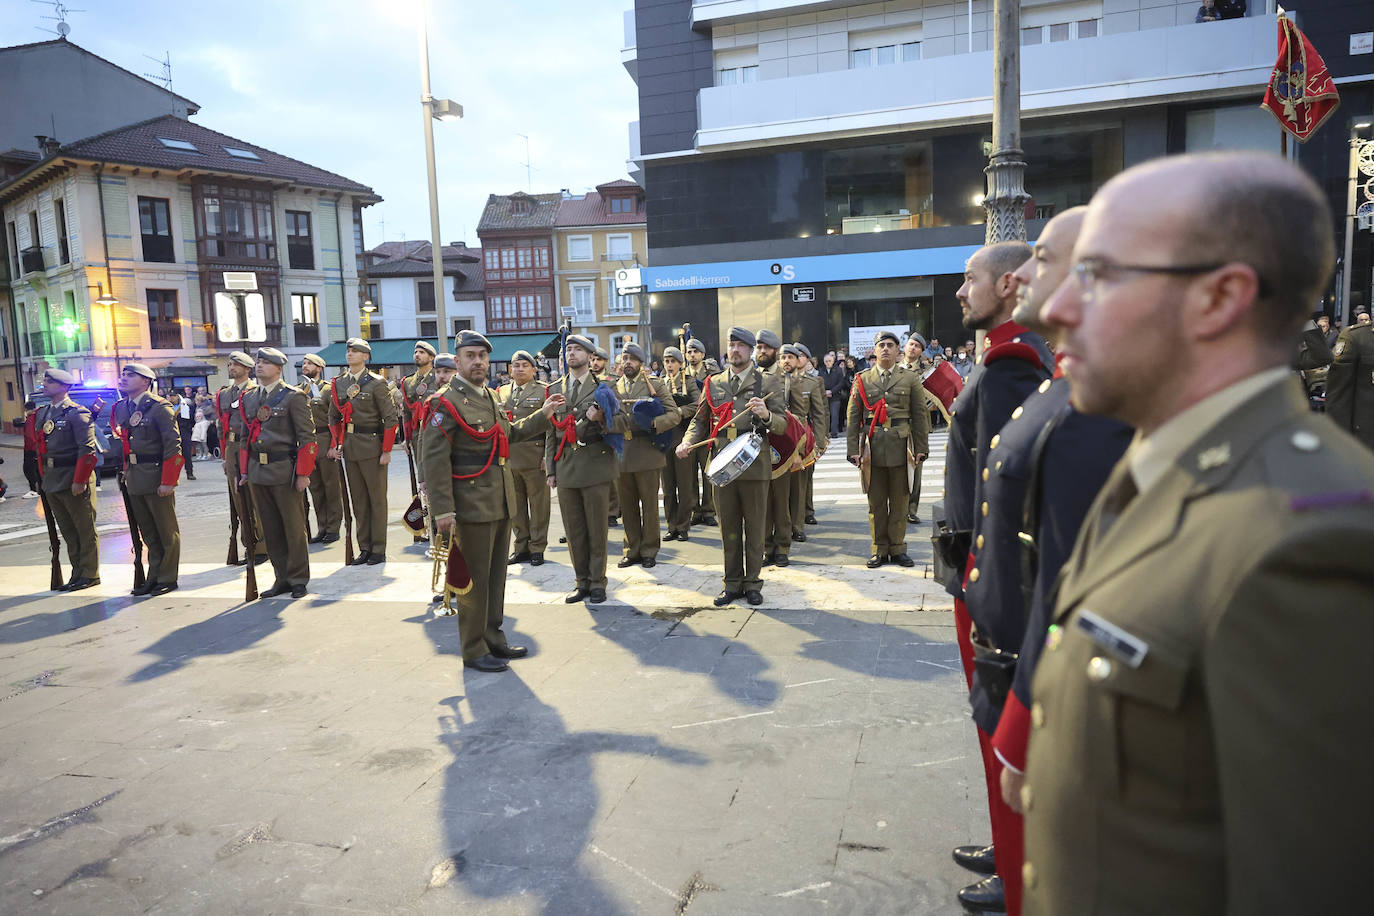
x=887 y=508
x=584 y=511
x=914 y=500
x=639 y=514
x=231 y=475
x=532 y=507
x=705 y=490
x=810 y=474
x=75 y=517
x=778 y=531
x=797 y=499
x=157 y=525
x=482 y=611
x=679 y=488
x=613 y=499
x=367 y=490
x=743 y=510
x=327 y=494
x=283 y=515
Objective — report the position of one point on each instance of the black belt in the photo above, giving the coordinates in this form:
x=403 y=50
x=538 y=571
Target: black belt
x=376 y=431
x=153 y=458
x=69 y=462
x=274 y=456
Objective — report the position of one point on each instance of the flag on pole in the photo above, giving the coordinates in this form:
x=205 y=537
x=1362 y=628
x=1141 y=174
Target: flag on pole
x=1301 y=93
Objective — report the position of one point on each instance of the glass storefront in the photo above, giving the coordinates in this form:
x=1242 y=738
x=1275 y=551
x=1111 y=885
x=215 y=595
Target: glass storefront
x=900 y=301
x=878 y=188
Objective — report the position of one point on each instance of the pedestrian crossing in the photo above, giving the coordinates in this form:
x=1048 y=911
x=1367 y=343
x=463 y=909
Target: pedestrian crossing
x=837 y=481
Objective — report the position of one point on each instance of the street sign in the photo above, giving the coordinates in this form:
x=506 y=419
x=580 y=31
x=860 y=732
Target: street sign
x=245 y=280
x=804 y=294
x=628 y=281
x=253 y=327
x=568 y=312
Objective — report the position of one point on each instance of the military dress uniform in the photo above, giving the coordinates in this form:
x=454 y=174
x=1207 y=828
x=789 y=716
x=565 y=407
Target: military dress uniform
x=1200 y=740
x=533 y=502
x=642 y=463
x=469 y=433
x=414 y=389
x=67 y=457
x=679 y=474
x=583 y=465
x=326 y=490
x=705 y=511
x=806 y=400
x=231 y=433
x=777 y=531
x=887 y=407
x=147 y=426
x=742 y=505
x=279 y=448
x=913 y=504
x=362 y=415
x=1350 y=383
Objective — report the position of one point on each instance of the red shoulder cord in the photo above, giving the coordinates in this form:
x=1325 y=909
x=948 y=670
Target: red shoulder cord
x=567 y=427
x=223 y=414
x=336 y=430
x=122 y=431
x=414 y=422
x=879 y=410
x=500 y=442
x=40 y=444
x=720 y=416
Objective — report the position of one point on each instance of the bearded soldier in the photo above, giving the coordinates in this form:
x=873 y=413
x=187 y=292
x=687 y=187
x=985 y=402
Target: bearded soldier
x=413 y=389
x=806 y=399
x=231 y=432
x=521 y=396
x=643 y=461
x=679 y=483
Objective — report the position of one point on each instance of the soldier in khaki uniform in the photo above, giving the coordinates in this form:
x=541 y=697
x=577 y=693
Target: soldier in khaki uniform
x=413 y=390
x=777 y=530
x=722 y=416
x=67 y=456
x=704 y=511
x=276 y=460
x=326 y=491
x=806 y=399
x=1350 y=383
x=642 y=463
x=468 y=432
x=581 y=464
x=147 y=427
x=887 y=408
x=601 y=368
x=807 y=367
x=362 y=417
x=679 y=474
x=521 y=396
x=1199 y=739
x=911 y=362
x=231 y=434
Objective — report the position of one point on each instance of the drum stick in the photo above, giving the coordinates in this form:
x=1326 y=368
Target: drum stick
x=730 y=422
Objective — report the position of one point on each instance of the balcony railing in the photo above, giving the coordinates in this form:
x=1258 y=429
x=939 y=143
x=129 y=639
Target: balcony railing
x=31 y=260
x=519 y=325
x=619 y=256
x=307 y=335
x=164 y=335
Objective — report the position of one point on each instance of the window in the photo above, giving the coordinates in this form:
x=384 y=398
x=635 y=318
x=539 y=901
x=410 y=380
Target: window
x=580 y=247
x=1087 y=28
x=583 y=302
x=522 y=311
x=234 y=222
x=618 y=304
x=374 y=330
x=60 y=214
x=618 y=248
x=155 y=222
x=887 y=54
x=300 y=247
x=429 y=328
x=1059 y=31
x=460 y=325
x=618 y=342
x=1031 y=35
x=749 y=74
x=164 y=325
x=359 y=250
x=35 y=239
x=521 y=259
x=374 y=293
x=911 y=50
x=425 y=296
x=184 y=146
x=861 y=57
x=14 y=248
x=622 y=205
x=878 y=188
x=305 y=319
x=727 y=77
x=241 y=153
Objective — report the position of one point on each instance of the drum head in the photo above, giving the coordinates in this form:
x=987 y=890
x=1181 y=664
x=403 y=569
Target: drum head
x=734 y=459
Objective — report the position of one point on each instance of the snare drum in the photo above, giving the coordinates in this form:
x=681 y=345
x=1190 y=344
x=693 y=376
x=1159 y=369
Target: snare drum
x=734 y=459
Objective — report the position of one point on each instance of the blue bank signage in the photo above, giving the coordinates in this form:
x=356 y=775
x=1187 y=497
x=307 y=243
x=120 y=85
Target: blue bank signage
x=917 y=262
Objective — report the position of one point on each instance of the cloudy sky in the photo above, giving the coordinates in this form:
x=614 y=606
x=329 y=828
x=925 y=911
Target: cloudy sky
x=337 y=84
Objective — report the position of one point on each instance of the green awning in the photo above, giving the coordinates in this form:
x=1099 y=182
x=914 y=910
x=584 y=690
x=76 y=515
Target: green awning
x=401 y=352
x=503 y=346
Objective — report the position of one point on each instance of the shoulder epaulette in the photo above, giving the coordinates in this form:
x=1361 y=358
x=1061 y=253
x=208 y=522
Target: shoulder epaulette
x=1014 y=349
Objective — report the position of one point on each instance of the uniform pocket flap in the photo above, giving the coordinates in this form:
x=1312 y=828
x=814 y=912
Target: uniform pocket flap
x=1160 y=680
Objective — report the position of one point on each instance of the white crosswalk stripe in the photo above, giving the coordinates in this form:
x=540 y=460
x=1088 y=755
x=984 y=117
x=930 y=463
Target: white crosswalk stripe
x=837 y=481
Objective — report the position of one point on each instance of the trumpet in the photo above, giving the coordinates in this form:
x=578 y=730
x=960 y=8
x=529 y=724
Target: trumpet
x=443 y=542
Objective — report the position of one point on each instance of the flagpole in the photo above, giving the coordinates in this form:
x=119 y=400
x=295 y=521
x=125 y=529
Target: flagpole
x=1283 y=133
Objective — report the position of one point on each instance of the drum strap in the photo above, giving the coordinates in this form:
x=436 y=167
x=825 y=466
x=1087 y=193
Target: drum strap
x=878 y=410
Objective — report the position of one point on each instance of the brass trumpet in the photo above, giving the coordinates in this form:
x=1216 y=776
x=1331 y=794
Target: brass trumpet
x=443 y=542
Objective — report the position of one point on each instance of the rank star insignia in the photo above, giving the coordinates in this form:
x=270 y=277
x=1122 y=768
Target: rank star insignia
x=48 y=427
x=1214 y=457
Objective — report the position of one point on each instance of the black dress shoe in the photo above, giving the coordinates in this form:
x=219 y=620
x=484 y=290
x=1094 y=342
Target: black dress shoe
x=518 y=557
x=811 y=520
x=374 y=559
x=902 y=559
x=976 y=858
x=875 y=561
x=596 y=595
x=912 y=518
x=509 y=651
x=328 y=538
x=987 y=896
x=648 y=562
x=260 y=559
x=768 y=559
x=360 y=559
x=670 y=536
x=485 y=663
x=278 y=588
x=612 y=519
x=725 y=598
x=575 y=595
x=798 y=536
x=147 y=586
x=536 y=559
x=627 y=561
x=782 y=560
x=163 y=588
x=77 y=585
x=754 y=596
x=317 y=539
x=298 y=591
x=562 y=539
x=64 y=586
x=682 y=535
x=709 y=521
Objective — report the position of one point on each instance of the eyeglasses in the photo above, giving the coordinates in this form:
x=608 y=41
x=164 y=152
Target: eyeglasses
x=1092 y=271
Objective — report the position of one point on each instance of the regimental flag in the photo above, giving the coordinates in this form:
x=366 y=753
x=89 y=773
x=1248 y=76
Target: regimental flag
x=1301 y=93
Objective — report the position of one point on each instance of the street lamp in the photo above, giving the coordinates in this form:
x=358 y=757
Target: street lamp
x=109 y=301
x=434 y=110
x=1361 y=153
x=368 y=309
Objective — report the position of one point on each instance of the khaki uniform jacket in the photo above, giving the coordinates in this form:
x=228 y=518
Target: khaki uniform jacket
x=72 y=436
x=640 y=453
x=374 y=412
x=227 y=404
x=1216 y=761
x=1350 y=383
x=589 y=461
x=808 y=403
x=414 y=389
x=700 y=373
x=717 y=392
x=272 y=459
x=153 y=438
x=489 y=496
x=317 y=393
x=686 y=394
x=519 y=401
x=908 y=422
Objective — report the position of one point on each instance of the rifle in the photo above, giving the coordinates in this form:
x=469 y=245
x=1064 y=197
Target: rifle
x=305 y=507
x=233 y=558
x=250 y=537
x=55 y=582
x=347 y=507
x=135 y=538
x=410 y=465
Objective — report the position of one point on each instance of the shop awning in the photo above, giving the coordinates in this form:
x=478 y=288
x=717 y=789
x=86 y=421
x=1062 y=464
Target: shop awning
x=401 y=352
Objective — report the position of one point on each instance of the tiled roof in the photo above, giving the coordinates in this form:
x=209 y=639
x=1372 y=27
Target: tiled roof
x=618 y=183
x=499 y=214
x=139 y=144
x=413 y=259
x=591 y=209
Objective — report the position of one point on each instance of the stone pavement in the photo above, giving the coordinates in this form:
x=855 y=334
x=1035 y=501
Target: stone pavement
x=331 y=754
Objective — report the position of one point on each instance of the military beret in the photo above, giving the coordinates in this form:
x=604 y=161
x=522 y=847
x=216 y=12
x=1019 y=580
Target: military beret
x=696 y=344
x=802 y=348
x=674 y=352
x=357 y=343
x=743 y=335
x=471 y=339
x=918 y=338
x=445 y=361
x=601 y=353
x=522 y=354
x=314 y=358
x=634 y=351
x=426 y=346
x=712 y=365
x=243 y=359
x=272 y=355
x=886 y=335
x=792 y=349
x=139 y=369
x=769 y=339
x=61 y=376
x=577 y=340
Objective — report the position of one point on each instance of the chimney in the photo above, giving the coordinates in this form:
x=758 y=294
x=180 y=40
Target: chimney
x=457 y=244
x=565 y=192
x=47 y=145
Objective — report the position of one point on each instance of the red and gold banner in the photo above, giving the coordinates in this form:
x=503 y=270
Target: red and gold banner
x=1301 y=93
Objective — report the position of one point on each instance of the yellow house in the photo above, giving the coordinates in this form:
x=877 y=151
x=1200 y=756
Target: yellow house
x=595 y=235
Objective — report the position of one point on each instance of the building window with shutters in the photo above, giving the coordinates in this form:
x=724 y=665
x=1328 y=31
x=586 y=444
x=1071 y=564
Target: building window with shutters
x=155 y=226
x=424 y=295
x=579 y=248
x=64 y=255
x=300 y=245
x=583 y=302
x=305 y=319
x=164 y=319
